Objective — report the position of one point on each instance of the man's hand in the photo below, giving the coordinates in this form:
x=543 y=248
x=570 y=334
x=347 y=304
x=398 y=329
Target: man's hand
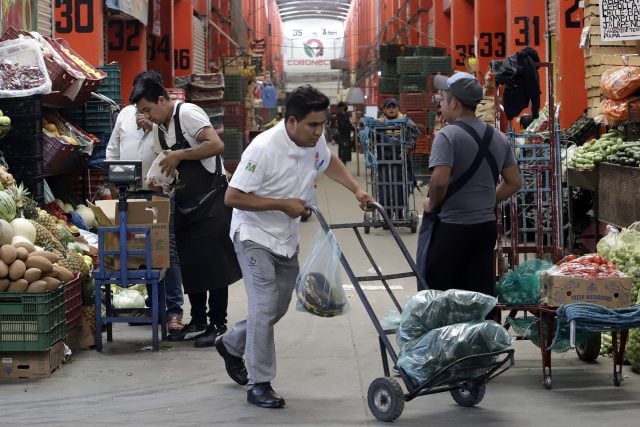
x=169 y=164
x=293 y=207
x=364 y=199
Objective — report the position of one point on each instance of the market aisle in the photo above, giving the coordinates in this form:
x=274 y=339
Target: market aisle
x=325 y=367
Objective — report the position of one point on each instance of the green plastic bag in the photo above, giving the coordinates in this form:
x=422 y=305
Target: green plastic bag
x=522 y=285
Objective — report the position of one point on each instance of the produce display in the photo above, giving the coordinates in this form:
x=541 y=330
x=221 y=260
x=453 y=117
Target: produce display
x=623 y=249
x=627 y=154
x=587 y=267
x=587 y=156
x=25 y=269
x=20 y=77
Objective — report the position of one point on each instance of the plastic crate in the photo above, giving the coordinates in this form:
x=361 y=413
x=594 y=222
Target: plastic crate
x=419 y=117
x=99 y=152
x=423 y=144
x=234 y=88
x=384 y=96
x=73 y=302
x=388 y=68
x=618 y=194
x=389 y=52
x=197 y=94
x=35 y=186
x=26 y=147
x=176 y=94
x=424 y=64
x=233 y=144
x=207 y=81
x=388 y=84
x=25 y=167
x=27 y=106
x=31 y=321
x=415 y=100
x=56 y=153
x=412 y=83
x=430 y=51
x=439 y=64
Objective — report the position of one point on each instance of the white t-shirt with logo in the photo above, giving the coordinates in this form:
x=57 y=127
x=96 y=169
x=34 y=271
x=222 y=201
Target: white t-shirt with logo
x=274 y=166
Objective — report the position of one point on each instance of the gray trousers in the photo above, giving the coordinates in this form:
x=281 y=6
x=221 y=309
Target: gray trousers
x=269 y=280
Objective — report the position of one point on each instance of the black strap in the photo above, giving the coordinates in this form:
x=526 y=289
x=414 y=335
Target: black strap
x=181 y=141
x=483 y=154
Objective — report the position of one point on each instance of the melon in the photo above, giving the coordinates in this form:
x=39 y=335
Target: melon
x=24 y=227
x=7 y=206
x=6 y=232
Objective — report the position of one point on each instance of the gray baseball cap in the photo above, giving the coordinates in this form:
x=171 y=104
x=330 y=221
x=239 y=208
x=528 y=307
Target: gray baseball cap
x=463 y=86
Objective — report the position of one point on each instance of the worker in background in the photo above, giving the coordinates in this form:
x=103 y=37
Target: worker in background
x=267 y=192
x=131 y=139
x=183 y=133
x=343 y=135
x=392 y=191
x=472 y=168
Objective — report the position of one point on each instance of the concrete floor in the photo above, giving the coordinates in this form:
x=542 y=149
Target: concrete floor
x=325 y=367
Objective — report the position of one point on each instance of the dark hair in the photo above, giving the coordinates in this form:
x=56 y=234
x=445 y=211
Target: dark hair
x=342 y=106
x=304 y=100
x=149 y=89
x=148 y=75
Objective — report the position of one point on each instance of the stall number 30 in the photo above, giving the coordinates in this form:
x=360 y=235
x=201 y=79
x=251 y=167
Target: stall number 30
x=75 y=16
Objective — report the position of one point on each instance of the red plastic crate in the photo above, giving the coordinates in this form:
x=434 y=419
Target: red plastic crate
x=73 y=302
x=419 y=117
x=423 y=144
x=414 y=101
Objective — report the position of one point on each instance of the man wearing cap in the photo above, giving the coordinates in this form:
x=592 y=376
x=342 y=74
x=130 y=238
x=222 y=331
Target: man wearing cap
x=472 y=168
x=390 y=194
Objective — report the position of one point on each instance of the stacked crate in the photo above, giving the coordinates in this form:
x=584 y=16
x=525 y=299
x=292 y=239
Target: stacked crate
x=22 y=146
x=595 y=53
x=234 y=118
x=416 y=91
x=388 y=67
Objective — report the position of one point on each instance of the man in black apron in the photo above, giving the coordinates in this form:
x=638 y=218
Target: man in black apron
x=207 y=258
x=458 y=232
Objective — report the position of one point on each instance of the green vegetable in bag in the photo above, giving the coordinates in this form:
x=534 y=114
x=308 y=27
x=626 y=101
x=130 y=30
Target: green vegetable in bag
x=522 y=285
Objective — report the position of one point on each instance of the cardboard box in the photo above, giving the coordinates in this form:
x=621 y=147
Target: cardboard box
x=154 y=214
x=31 y=364
x=612 y=292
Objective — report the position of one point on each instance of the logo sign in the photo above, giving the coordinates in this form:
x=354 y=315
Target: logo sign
x=313 y=48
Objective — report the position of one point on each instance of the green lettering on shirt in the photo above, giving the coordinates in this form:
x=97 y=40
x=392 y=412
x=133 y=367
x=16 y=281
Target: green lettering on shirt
x=251 y=167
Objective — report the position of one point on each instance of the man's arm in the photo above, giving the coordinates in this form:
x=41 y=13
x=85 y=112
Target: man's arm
x=438 y=185
x=338 y=172
x=235 y=198
x=113 y=146
x=210 y=146
x=510 y=183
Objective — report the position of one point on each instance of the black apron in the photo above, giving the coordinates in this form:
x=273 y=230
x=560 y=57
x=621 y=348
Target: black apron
x=430 y=220
x=202 y=220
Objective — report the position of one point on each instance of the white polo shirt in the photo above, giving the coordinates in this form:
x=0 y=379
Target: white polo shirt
x=274 y=166
x=192 y=120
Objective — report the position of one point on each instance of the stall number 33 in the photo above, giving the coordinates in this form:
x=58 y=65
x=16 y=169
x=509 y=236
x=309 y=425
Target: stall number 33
x=75 y=16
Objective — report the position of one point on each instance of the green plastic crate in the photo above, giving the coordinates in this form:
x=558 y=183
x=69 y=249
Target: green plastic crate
x=31 y=321
x=234 y=88
x=388 y=85
x=388 y=68
x=413 y=83
x=233 y=144
x=424 y=64
x=429 y=51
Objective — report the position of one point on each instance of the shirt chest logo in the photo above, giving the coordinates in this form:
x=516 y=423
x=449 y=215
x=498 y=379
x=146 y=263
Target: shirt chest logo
x=251 y=167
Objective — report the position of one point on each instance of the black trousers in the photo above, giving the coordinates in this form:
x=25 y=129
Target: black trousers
x=218 y=300
x=461 y=257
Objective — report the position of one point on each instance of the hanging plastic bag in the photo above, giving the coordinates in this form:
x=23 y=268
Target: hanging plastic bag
x=318 y=286
x=22 y=69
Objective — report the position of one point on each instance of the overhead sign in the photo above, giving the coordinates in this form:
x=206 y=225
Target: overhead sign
x=135 y=8
x=619 y=20
x=310 y=45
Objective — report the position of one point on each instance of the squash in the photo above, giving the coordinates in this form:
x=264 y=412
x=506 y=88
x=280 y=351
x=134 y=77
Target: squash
x=24 y=228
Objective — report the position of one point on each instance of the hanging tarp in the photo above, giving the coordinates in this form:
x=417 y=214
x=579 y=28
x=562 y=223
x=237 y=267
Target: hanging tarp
x=137 y=9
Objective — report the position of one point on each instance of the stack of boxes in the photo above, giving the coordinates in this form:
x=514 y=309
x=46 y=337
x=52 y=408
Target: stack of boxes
x=600 y=55
x=234 y=119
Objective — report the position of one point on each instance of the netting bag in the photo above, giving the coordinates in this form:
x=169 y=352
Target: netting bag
x=318 y=287
x=431 y=309
x=620 y=82
x=522 y=285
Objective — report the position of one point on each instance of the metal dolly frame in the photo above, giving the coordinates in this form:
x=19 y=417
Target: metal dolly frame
x=124 y=277
x=385 y=396
x=546 y=335
x=392 y=155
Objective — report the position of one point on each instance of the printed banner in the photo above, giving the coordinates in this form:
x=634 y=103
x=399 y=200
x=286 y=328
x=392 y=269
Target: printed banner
x=310 y=45
x=138 y=9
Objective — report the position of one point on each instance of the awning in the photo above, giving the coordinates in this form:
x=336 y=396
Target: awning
x=138 y=9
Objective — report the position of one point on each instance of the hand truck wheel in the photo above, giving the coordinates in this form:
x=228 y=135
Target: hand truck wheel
x=589 y=349
x=617 y=378
x=546 y=382
x=385 y=398
x=469 y=397
x=413 y=218
x=368 y=219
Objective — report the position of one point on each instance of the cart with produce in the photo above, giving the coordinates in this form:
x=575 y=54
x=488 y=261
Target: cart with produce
x=427 y=363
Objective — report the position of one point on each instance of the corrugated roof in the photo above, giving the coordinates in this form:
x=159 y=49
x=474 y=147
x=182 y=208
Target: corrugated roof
x=313 y=9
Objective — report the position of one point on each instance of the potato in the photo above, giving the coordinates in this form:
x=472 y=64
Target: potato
x=38 y=286
x=32 y=274
x=48 y=255
x=22 y=254
x=4 y=270
x=4 y=284
x=27 y=245
x=64 y=274
x=19 y=285
x=8 y=254
x=52 y=283
x=16 y=270
x=39 y=262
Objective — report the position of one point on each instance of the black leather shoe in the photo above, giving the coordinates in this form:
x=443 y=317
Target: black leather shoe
x=263 y=395
x=234 y=365
x=208 y=339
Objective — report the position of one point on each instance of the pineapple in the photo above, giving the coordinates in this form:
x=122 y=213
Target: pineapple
x=45 y=239
x=20 y=195
x=49 y=223
x=75 y=263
